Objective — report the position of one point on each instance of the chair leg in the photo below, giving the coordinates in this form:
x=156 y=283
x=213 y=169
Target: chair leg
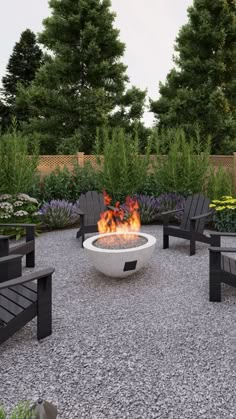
x=83 y=238
x=192 y=247
x=30 y=257
x=44 y=318
x=165 y=241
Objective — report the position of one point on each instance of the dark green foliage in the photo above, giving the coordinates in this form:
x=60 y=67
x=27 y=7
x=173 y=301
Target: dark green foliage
x=184 y=169
x=219 y=183
x=123 y=170
x=63 y=184
x=85 y=179
x=17 y=169
x=57 y=185
x=84 y=79
x=202 y=87
x=23 y=64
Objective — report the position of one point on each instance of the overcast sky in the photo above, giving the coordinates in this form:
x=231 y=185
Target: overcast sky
x=147 y=27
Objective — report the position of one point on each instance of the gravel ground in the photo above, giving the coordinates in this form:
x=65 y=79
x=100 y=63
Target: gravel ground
x=148 y=346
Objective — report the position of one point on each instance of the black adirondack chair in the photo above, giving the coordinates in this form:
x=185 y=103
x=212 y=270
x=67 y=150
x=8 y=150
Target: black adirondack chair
x=222 y=267
x=27 y=248
x=196 y=213
x=21 y=299
x=91 y=206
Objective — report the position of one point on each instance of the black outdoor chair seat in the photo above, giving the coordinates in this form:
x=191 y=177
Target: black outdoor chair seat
x=24 y=297
x=222 y=267
x=196 y=213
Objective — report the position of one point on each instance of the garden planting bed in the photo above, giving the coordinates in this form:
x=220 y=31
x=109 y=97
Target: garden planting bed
x=149 y=346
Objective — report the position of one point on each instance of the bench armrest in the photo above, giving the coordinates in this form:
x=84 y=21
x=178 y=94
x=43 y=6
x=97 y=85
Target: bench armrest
x=223 y=249
x=27 y=278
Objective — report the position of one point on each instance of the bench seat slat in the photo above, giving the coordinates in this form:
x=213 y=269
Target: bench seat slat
x=32 y=286
x=15 y=297
x=5 y=315
x=10 y=306
x=24 y=292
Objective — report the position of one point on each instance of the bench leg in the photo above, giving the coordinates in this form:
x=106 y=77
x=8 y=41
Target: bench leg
x=165 y=241
x=44 y=318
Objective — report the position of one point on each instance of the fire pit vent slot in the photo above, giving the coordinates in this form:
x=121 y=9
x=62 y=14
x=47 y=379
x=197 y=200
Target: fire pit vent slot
x=130 y=266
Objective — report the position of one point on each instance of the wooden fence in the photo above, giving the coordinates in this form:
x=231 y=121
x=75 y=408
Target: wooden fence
x=48 y=163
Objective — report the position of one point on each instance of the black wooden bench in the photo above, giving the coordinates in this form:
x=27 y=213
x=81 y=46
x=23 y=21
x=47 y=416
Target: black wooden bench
x=91 y=206
x=24 y=297
x=196 y=213
x=26 y=248
x=222 y=267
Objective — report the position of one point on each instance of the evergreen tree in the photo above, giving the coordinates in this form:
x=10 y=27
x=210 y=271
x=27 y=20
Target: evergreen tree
x=25 y=60
x=201 y=89
x=22 y=66
x=83 y=80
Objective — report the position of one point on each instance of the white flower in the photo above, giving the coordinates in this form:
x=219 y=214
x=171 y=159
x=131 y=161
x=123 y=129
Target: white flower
x=25 y=197
x=35 y=214
x=6 y=206
x=20 y=213
x=5 y=196
x=5 y=216
x=18 y=203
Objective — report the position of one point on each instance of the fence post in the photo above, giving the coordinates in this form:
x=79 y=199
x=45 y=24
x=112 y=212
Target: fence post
x=80 y=159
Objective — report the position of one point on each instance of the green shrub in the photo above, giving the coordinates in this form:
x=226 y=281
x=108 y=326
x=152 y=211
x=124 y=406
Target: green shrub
x=184 y=169
x=84 y=179
x=21 y=411
x=219 y=183
x=20 y=208
x=57 y=185
x=225 y=214
x=123 y=170
x=17 y=168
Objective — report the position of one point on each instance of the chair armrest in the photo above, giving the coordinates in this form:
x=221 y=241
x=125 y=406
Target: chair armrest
x=198 y=217
x=171 y=212
x=218 y=233
x=80 y=212
x=27 y=278
x=223 y=249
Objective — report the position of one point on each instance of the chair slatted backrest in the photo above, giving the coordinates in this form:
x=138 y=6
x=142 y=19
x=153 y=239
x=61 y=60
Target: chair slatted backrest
x=92 y=204
x=195 y=205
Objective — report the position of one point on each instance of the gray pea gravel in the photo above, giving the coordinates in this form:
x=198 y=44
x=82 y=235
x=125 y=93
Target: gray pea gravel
x=146 y=347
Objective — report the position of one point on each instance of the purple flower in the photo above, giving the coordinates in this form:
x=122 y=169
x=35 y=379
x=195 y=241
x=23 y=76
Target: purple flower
x=59 y=213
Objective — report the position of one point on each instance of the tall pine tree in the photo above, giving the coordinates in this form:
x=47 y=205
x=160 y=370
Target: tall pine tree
x=83 y=80
x=23 y=64
x=201 y=89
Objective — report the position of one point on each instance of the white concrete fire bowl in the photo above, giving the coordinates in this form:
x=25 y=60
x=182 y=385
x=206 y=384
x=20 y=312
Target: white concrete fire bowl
x=119 y=263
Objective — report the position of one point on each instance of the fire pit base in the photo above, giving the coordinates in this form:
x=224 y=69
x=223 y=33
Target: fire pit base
x=119 y=263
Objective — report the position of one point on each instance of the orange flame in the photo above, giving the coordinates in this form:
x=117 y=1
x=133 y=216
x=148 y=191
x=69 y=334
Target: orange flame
x=119 y=219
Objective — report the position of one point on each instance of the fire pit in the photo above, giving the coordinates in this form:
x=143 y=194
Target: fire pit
x=121 y=249
x=119 y=255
